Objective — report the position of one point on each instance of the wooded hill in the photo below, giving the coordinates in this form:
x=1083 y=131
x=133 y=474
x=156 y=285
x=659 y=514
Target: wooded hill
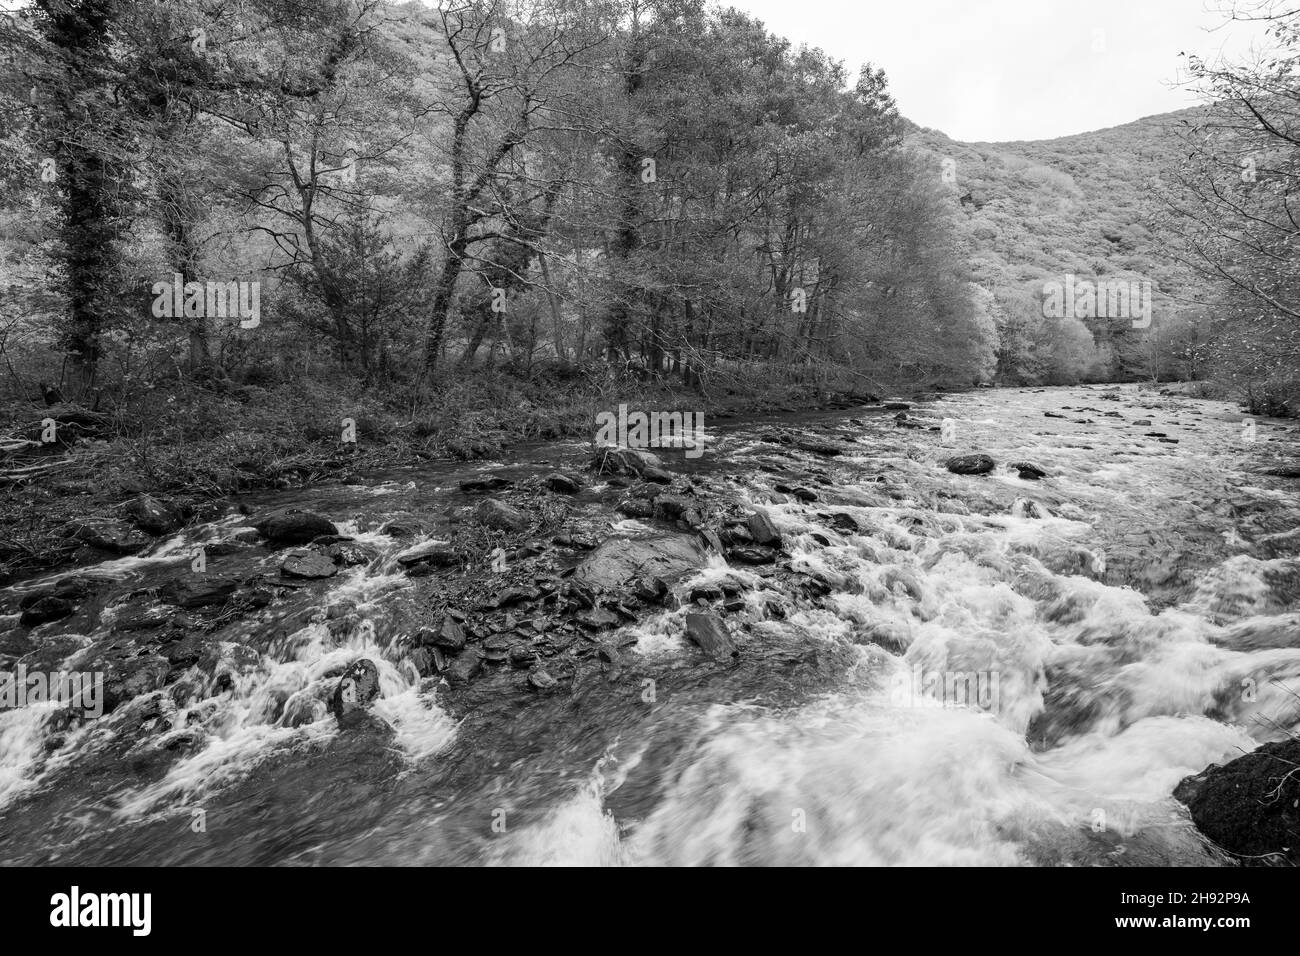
x=1089 y=205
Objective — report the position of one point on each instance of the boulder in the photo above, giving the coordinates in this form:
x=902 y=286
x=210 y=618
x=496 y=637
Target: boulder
x=496 y=649
x=486 y=483
x=450 y=636
x=847 y=523
x=1029 y=471
x=126 y=678
x=398 y=528
x=541 y=680
x=563 y=484
x=465 y=666
x=708 y=631
x=762 y=529
x=201 y=592
x=294 y=527
x=349 y=554
x=671 y=507
x=149 y=514
x=309 y=565
x=636 y=508
x=108 y=534
x=618 y=560
x=500 y=516
x=751 y=556
x=971 y=465
x=438 y=554
x=1250 y=806
x=817 y=446
x=355 y=691
x=625 y=461
x=598 y=619
x=46 y=609
x=1028 y=508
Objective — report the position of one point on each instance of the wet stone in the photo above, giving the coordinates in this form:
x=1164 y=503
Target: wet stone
x=970 y=464
x=308 y=565
x=355 y=691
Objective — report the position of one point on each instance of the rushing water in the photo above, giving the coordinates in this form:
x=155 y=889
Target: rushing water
x=1004 y=671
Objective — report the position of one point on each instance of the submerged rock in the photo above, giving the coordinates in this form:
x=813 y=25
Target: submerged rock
x=1250 y=806
x=540 y=679
x=817 y=446
x=198 y=593
x=46 y=609
x=1027 y=508
x=486 y=483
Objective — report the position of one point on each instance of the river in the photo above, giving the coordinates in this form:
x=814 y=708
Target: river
x=964 y=670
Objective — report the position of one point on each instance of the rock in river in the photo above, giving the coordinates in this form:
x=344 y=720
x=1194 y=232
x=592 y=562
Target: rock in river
x=450 y=636
x=971 y=465
x=308 y=564
x=46 y=609
x=762 y=529
x=438 y=554
x=152 y=515
x=294 y=527
x=501 y=516
x=564 y=484
x=618 y=560
x=1029 y=471
x=108 y=534
x=625 y=461
x=355 y=691
x=708 y=631
x=1250 y=806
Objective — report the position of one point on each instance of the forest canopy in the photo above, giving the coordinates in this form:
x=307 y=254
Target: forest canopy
x=663 y=188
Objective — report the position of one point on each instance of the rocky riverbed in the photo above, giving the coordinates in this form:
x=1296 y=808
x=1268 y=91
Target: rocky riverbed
x=1012 y=626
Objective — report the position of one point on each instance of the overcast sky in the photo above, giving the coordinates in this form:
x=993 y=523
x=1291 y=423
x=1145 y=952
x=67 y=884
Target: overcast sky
x=992 y=70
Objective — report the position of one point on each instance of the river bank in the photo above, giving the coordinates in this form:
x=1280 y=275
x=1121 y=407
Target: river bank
x=188 y=451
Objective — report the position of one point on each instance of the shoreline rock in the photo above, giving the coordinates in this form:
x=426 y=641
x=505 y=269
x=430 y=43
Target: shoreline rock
x=1250 y=806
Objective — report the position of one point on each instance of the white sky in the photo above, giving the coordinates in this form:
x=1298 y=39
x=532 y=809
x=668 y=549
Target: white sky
x=994 y=70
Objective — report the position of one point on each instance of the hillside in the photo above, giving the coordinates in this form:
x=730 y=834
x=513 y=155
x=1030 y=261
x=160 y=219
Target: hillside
x=1082 y=205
